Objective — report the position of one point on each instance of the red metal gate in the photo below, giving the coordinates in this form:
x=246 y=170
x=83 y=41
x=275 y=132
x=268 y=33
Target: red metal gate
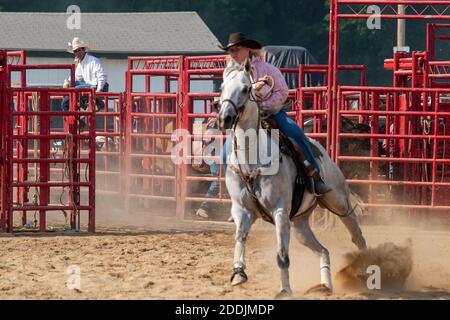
x=407 y=169
x=201 y=82
x=153 y=113
x=45 y=174
x=407 y=135
x=110 y=145
x=40 y=177
x=439 y=71
x=313 y=111
x=4 y=102
x=407 y=141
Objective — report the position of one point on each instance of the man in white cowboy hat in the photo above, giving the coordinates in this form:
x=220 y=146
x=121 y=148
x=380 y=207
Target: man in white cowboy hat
x=89 y=72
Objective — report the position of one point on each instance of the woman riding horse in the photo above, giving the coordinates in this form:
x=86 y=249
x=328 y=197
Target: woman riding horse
x=240 y=47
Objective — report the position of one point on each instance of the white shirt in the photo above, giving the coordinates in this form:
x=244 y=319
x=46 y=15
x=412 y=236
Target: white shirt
x=91 y=72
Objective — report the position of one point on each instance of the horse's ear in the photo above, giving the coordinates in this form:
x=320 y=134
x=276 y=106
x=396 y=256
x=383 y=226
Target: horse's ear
x=248 y=65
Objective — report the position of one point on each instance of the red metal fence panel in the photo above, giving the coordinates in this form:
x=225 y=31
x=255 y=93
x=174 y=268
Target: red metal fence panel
x=33 y=117
x=396 y=137
x=439 y=71
x=110 y=144
x=313 y=112
x=4 y=102
x=153 y=113
x=406 y=158
x=406 y=142
x=201 y=84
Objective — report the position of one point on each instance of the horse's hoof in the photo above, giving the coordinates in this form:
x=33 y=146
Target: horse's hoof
x=319 y=289
x=238 y=280
x=283 y=295
x=238 y=277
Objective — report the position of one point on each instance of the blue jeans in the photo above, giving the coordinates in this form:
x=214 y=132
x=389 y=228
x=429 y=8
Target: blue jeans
x=290 y=129
x=214 y=187
x=78 y=84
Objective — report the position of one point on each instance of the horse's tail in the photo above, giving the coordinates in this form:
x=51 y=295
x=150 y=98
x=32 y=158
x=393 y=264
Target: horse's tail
x=357 y=204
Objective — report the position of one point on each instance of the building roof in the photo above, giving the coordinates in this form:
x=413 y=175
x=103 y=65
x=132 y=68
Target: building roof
x=130 y=33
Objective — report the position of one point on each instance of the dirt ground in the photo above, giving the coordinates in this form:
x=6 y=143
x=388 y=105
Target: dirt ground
x=168 y=260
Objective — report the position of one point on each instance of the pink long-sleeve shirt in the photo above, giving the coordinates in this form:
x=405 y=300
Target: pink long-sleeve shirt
x=280 y=91
x=279 y=95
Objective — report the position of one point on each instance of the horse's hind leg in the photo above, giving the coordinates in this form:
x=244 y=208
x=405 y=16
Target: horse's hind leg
x=351 y=223
x=343 y=207
x=306 y=237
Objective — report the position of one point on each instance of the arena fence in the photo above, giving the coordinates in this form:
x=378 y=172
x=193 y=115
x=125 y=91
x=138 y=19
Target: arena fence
x=391 y=142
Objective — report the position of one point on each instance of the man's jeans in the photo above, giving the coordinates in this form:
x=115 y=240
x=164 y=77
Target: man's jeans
x=84 y=101
x=214 y=187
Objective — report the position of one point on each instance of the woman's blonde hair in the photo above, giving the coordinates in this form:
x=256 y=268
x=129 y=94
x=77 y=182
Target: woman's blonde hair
x=254 y=53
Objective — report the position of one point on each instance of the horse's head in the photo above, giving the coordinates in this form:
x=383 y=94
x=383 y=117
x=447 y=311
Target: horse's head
x=236 y=89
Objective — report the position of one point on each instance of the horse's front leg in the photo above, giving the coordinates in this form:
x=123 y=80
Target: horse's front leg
x=283 y=229
x=243 y=219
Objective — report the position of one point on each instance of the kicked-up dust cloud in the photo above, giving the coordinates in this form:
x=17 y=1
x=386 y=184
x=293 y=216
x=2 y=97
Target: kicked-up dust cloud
x=394 y=262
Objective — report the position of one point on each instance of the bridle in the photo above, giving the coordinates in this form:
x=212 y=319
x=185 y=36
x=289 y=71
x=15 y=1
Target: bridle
x=237 y=110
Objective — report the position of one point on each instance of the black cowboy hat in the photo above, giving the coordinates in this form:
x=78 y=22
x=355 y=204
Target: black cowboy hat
x=239 y=38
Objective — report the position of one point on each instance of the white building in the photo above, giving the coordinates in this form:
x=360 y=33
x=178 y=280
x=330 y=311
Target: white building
x=112 y=36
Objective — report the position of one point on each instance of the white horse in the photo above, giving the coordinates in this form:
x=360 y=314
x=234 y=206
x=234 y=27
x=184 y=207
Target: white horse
x=274 y=192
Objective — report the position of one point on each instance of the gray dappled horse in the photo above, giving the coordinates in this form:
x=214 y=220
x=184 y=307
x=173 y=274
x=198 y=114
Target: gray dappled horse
x=274 y=192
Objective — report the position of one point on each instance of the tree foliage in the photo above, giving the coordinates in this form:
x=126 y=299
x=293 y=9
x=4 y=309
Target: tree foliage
x=289 y=22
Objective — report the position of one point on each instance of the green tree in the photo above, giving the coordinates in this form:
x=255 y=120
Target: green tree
x=290 y=22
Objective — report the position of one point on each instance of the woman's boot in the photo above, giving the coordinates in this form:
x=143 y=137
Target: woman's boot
x=320 y=188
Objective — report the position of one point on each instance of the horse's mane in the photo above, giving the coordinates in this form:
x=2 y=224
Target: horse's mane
x=231 y=67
